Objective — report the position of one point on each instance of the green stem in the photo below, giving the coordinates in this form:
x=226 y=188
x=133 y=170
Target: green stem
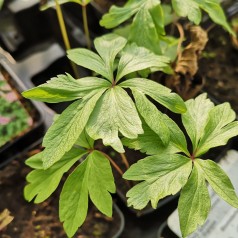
x=64 y=34
x=85 y=25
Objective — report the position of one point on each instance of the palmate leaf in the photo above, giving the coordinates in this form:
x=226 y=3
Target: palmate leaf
x=91 y=178
x=115 y=112
x=65 y=88
x=194 y=202
x=42 y=183
x=62 y=135
x=192 y=10
x=147 y=25
x=164 y=174
x=207 y=126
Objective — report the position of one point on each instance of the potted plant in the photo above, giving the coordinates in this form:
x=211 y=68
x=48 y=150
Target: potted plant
x=41 y=220
x=120 y=106
x=101 y=107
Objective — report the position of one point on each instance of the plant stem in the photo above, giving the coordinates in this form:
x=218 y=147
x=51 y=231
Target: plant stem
x=85 y=25
x=64 y=34
x=117 y=168
x=125 y=160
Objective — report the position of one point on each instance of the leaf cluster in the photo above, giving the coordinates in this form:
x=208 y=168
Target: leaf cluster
x=170 y=169
x=16 y=116
x=149 y=18
x=101 y=104
x=92 y=178
x=102 y=108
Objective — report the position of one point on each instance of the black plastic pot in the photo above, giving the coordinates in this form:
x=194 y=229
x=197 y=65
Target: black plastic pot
x=23 y=27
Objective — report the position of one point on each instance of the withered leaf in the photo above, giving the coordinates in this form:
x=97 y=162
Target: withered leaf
x=185 y=80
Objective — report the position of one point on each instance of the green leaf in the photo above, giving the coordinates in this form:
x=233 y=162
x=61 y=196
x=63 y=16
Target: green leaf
x=115 y=112
x=89 y=60
x=42 y=183
x=149 y=142
x=147 y=25
x=73 y=204
x=100 y=182
x=136 y=58
x=164 y=175
x=143 y=29
x=35 y=161
x=108 y=46
x=191 y=9
x=219 y=128
x=85 y=140
x=188 y=8
x=219 y=181
x=169 y=45
x=62 y=135
x=118 y=15
x=216 y=13
x=65 y=88
x=94 y=178
x=152 y=116
x=194 y=202
x=195 y=119
x=158 y=92
x=1 y=4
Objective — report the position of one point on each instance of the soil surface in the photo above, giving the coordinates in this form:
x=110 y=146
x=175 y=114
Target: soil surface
x=220 y=68
x=41 y=220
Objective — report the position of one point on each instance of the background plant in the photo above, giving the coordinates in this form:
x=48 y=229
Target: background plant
x=144 y=22
x=14 y=118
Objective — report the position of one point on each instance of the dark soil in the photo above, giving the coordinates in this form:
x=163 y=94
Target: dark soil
x=220 y=68
x=41 y=220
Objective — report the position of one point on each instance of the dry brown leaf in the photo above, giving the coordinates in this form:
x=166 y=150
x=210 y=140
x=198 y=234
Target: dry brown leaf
x=187 y=63
x=185 y=80
x=5 y=219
